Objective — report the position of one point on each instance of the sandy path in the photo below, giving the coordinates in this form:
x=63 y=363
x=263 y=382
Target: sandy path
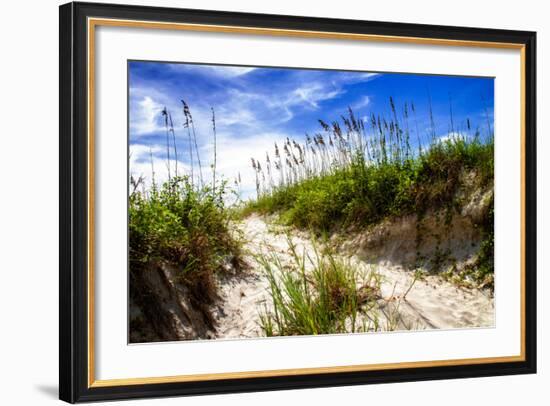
x=244 y=296
x=431 y=303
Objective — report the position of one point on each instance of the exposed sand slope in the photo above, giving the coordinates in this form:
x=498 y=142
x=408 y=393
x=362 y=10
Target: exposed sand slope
x=431 y=303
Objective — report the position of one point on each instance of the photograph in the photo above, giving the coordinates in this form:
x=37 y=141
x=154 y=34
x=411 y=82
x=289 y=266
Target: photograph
x=284 y=201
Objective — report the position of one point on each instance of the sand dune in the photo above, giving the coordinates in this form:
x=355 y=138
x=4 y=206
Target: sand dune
x=431 y=302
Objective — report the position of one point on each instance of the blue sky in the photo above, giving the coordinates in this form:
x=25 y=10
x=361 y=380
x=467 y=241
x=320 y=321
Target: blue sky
x=256 y=107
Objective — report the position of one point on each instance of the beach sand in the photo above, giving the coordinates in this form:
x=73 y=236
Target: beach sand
x=417 y=304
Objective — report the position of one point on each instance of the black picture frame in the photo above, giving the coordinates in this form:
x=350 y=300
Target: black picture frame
x=74 y=199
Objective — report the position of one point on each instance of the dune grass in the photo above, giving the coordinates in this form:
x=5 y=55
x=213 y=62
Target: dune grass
x=363 y=191
x=317 y=293
x=184 y=228
x=182 y=224
x=349 y=175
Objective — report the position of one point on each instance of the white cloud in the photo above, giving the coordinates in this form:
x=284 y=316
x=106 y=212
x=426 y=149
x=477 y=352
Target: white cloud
x=356 y=77
x=226 y=72
x=140 y=152
x=259 y=109
x=364 y=102
x=451 y=137
x=228 y=115
x=316 y=91
x=144 y=159
x=231 y=71
x=234 y=157
x=248 y=122
x=311 y=94
x=145 y=116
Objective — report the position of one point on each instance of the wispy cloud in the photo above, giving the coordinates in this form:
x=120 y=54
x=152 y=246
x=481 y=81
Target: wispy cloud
x=256 y=107
x=226 y=72
x=145 y=116
x=355 y=77
x=312 y=95
x=362 y=103
x=250 y=116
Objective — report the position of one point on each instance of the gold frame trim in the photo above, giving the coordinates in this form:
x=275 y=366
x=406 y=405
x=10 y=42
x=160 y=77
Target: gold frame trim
x=94 y=22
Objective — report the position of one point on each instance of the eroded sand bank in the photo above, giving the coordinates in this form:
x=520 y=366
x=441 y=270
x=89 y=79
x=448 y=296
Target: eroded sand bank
x=431 y=302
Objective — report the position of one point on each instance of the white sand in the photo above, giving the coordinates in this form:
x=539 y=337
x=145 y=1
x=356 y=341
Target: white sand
x=431 y=303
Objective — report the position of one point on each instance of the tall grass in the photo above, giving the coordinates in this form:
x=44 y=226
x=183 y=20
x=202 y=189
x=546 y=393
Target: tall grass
x=182 y=224
x=359 y=172
x=348 y=174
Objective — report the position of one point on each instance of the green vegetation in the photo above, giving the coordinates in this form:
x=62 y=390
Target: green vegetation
x=349 y=175
x=319 y=294
x=186 y=229
x=183 y=225
x=363 y=180
x=345 y=176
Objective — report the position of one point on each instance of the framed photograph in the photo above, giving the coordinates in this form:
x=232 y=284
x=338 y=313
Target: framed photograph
x=257 y=202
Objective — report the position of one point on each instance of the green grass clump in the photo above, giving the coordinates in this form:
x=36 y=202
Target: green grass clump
x=326 y=299
x=185 y=228
x=363 y=194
